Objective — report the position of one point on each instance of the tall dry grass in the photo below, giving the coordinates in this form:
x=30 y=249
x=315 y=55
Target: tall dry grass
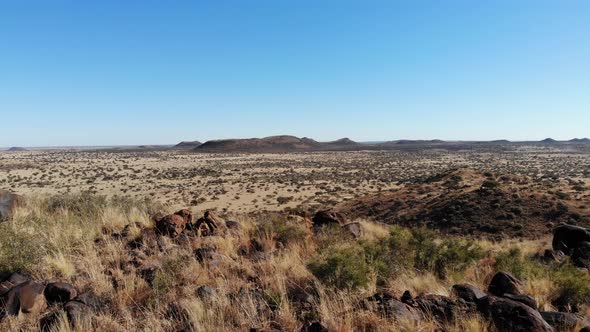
x=257 y=275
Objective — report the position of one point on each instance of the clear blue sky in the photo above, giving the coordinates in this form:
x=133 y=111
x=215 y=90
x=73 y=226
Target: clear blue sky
x=146 y=72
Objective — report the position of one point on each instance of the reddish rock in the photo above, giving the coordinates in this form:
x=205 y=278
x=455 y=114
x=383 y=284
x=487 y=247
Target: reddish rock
x=209 y=224
x=25 y=298
x=12 y=281
x=173 y=224
x=186 y=214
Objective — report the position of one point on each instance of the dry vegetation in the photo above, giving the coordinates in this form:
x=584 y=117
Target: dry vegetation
x=88 y=220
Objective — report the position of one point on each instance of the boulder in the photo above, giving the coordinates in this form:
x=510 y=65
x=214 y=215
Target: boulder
x=524 y=299
x=315 y=327
x=77 y=312
x=25 y=298
x=442 y=308
x=505 y=283
x=563 y=321
x=568 y=237
x=581 y=255
x=11 y=281
x=407 y=298
x=328 y=217
x=511 y=316
x=8 y=203
x=60 y=292
x=392 y=308
x=90 y=300
x=354 y=229
x=171 y=225
x=208 y=224
x=467 y=293
x=187 y=215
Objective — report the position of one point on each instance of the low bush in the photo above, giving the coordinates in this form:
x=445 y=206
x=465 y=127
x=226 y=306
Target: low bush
x=573 y=286
x=282 y=231
x=341 y=267
x=19 y=250
x=166 y=277
x=444 y=256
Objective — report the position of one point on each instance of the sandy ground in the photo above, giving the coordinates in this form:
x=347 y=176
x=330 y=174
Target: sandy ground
x=249 y=182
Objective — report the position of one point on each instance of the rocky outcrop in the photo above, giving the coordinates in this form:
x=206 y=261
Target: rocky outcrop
x=467 y=293
x=328 y=217
x=568 y=237
x=25 y=298
x=511 y=316
x=505 y=283
x=173 y=224
x=60 y=292
x=209 y=224
x=563 y=321
x=390 y=307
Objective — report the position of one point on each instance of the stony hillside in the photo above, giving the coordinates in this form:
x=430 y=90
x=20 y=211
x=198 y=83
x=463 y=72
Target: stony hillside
x=483 y=204
x=88 y=263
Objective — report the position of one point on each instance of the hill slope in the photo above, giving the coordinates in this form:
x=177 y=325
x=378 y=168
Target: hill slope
x=467 y=202
x=272 y=144
x=187 y=145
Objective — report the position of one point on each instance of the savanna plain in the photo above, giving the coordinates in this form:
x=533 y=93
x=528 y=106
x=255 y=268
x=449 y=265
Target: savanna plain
x=472 y=239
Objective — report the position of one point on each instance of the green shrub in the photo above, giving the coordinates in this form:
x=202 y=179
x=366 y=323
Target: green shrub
x=513 y=261
x=490 y=184
x=573 y=285
x=443 y=257
x=341 y=267
x=20 y=251
x=166 y=277
x=388 y=257
x=282 y=231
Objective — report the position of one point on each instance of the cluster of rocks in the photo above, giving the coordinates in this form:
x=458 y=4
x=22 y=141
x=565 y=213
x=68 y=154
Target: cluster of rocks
x=19 y=295
x=182 y=221
x=332 y=218
x=504 y=304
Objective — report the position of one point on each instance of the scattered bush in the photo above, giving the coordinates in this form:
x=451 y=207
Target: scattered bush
x=442 y=257
x=282 y=231
x=19 y=250
x=573 y=287
x=166 y=277
x=341 y=267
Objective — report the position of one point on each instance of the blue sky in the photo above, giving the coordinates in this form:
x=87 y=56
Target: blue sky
x=150 y=72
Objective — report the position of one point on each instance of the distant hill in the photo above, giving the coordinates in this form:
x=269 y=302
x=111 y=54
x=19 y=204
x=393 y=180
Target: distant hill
x=410 y=141
x=188 y=144
x=343 y=142
x=548 y=140
x=580 y=140
x=16 y=148
x=272 y=144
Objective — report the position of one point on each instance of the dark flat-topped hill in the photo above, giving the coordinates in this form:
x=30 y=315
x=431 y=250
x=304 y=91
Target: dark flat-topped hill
x=274 y=144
